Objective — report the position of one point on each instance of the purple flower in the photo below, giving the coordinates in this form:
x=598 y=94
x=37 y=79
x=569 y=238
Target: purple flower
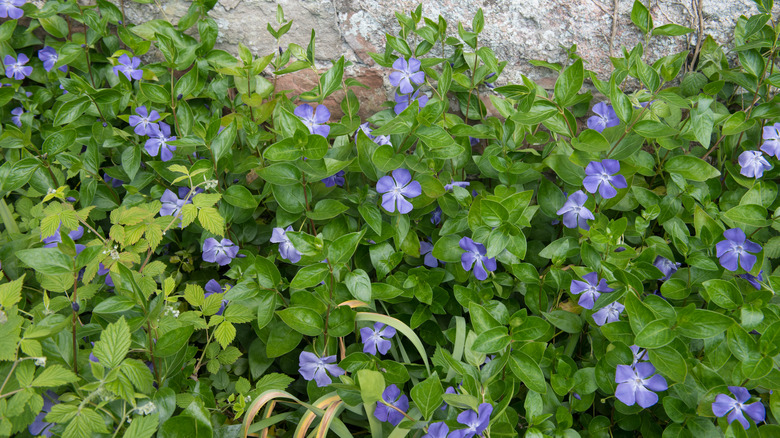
x=212 y=287
x=436 y=216
x=635 y=386
x=374 y=340
x=639 y=354
x=16 y=116
x=102 y=270
x=753 y=280
x=736 y=408
x=437 y=430
x=591 y=289
x=317 y=369
x=335 y=180
x=602 y=177
x=171 y=204
x=772 y=140
x=379 y=139
x=15 y=67
x=736 y=248
x=426 y=251
x=92 y=357
x=221 y=252
x=184 y=192
x=666 y=266
x=405 y=74
x=474 y=255
x=144 y=120
x=605 y=117
x=286 y=248
x=396 y=189
x=54 y=239
x=39 y=427
x=753 y=164
x=160 y=135
x=129 y=67
x=314 y=119
x=610 y=313
x=475 y=422
x=115 y=182
x=402 y=101
x=12 y=9
x=49 y=57
x=393 y=397
x=452 y=184
x=574 y=212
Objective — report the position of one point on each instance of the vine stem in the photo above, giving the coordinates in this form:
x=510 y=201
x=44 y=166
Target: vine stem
x=74 y=301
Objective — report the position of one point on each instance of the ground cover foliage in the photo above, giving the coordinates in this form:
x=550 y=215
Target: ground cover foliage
x=188 y=250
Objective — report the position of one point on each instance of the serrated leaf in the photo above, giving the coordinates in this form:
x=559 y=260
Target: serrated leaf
x=225 y=333
x=54 y=375
x=114 y=344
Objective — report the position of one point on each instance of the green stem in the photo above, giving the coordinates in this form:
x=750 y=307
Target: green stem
x=7 y=217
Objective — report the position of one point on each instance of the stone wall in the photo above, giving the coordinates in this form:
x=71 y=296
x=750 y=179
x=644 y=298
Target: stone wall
x=517 y=30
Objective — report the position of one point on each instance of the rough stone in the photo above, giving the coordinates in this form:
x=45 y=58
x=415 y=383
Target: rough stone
x=517 y=30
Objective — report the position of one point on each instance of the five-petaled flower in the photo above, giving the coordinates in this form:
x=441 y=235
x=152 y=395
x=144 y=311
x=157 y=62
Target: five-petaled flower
x=736 y=408
x=601 y=177
x=317 y=369
x=405 y=74
x=436 y=215
x=212 y=287
x=452 y=184
x=591 y=289
x=49 y=57
x=144 y=120
x=391 y=396
x=475 y=255
x=56 y=238
x=377 y=339
x=402 y=101
x=378 y=139
x=635 y=386
x=753 y=164
x=736 y=249
x=426 y=252
x=16 y=68
x=159 y=136
x=315 y=120
x=219 y=252
x=12 y=9
x=129 y=67
x=605 y=117
x=395 y=189
x=286 y=248
x=771 y=143
x=335 y=180
x=172 y=204
x=16 y=116
x=475 y=422
x=574 y=212
x=609 y=313
x=639 y=354
x=666 y=266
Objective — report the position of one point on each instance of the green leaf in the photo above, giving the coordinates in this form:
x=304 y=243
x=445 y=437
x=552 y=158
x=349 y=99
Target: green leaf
x=210 y=219
x=723 y=293
x=701 y=324
x=225 y=333
x=223 y=143
x=590 y=141
x=172 y=341
x=143 y=426
x=310 y=276
x=750 y=215
x=527 y=371
x=566 y=170
x=669 y=362
x=569 y=83
x=428 y=395
x=49 y=261
x=114 y=344
x=331 y=80
x=370 y=213
x=327 y=209
x=690 y=167
x=359 y=285
x=239 y=196
x=494 y=340
x=342 y=249
x=11 y=292
x=654 y=335
x=671 y=29
x=71 y=111
x=54 y=375
x=303 y=320
x=566 y=321
x=641 y=17
x=653 y=129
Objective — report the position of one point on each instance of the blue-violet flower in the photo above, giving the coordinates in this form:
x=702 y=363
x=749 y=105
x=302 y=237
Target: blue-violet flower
x=736 y=248
x=601 y=177
x=396 y=189
x=474 y=255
